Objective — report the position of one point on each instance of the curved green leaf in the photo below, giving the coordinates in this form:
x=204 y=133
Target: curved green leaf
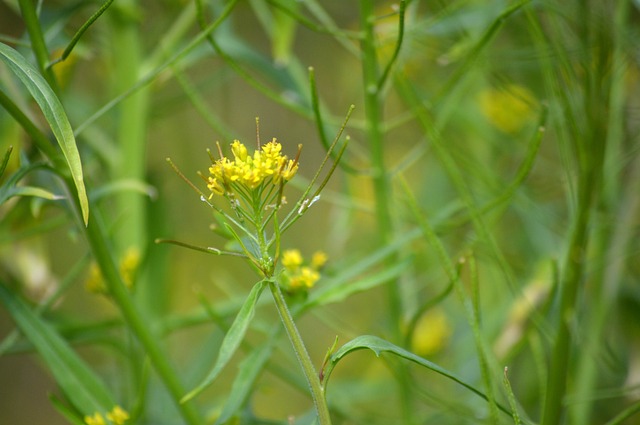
x=232 y=339
x=80 y=384
x=379 y=346
x=55 y=115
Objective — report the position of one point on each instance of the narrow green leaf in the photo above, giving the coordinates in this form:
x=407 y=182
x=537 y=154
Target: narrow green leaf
x=232 y=339
x=37 y=192
x=243 y=385
x=5 y=160
x=55 y=115
x=340 y=290
x=379 y=346
x=79 y=383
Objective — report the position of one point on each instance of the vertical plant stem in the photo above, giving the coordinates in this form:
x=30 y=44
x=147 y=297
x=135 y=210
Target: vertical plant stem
x=619 y=200
x=136 y=323
x=38 y=44
x=557 y=378
x=317 y=391
x=373 y=114
x=132 y=128
x=589 y=147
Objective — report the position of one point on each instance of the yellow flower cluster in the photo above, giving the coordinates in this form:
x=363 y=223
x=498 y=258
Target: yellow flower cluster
x=297 y=275
x=128 y=267
x=117 y=416
x=265 y=165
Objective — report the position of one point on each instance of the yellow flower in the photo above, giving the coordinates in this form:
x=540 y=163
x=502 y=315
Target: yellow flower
x=215 y=187
x=251 y=171
x=239 y=150
x=305 y=278
x=508 y=109
x=296 y=274
x=128 y=268
x=292 y=259
x=94 y=282
x=118 y=415
x=96 y=419
x=432 y=333
x=318 y=260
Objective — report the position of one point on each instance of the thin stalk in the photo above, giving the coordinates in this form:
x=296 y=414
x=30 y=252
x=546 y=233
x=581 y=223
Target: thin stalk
x=557 y=378
x=589 y=144
x=38 y=137
x=317 y=390
x=619 y=200
x=102 y=254
x=373 y=114
x=38 y=44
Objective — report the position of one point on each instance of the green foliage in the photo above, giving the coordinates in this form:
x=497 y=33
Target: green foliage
x=478 y=206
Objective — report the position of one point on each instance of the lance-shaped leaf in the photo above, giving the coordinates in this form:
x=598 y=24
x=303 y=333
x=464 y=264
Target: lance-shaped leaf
x=249 y=371
x=80 y=384
x=379 y=346
x=54 y=114
x=232 y=339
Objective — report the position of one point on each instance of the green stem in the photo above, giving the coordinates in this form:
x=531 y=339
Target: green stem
x=132 y=127
x=102 y=254
x=373 y=114
x=39 y=138
x=590 y=144
x=557 y=379
x=317 y=390
x=38 y=44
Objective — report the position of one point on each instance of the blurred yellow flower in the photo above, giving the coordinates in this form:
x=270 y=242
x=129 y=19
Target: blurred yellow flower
x=128 y=268
x=296 y=274
x=432 y=333
x=118 y=415
x=96 y=419
x=508 y=109
x=291 y=259
x=63 y=70
x=318 y=260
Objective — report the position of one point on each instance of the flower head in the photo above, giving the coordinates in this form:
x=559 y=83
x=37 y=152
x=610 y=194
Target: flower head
x=266 y=165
